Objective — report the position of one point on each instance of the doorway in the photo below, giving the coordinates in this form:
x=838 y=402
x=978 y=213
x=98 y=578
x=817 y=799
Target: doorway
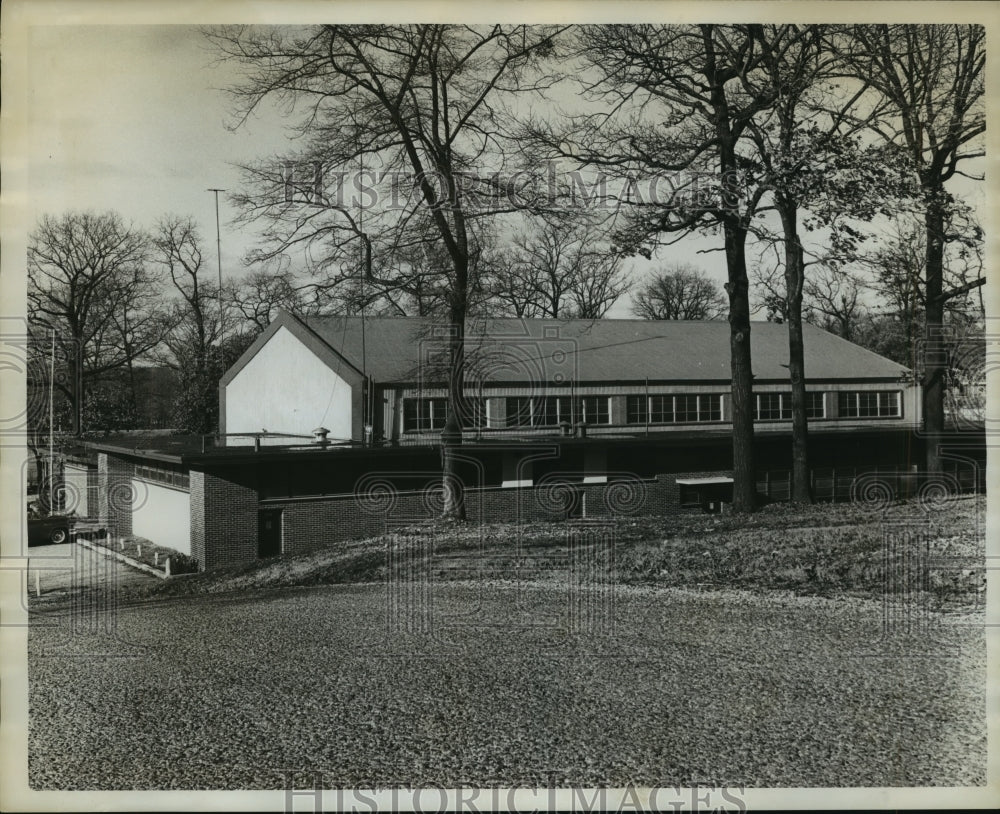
x=269 y=533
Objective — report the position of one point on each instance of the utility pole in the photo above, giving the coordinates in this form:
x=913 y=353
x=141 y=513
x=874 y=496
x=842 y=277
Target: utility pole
x=52 y=379
x=218 y=250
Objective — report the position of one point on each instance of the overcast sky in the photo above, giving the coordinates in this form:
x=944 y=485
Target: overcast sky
x=133 y=118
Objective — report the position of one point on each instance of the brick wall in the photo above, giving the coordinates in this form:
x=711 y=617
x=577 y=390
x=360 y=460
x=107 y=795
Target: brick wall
x=115 y=494
x=308 y=524
x=223 y=520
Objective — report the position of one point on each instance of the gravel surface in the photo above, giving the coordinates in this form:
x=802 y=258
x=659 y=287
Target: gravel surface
x=493 y=685
x=68 y=568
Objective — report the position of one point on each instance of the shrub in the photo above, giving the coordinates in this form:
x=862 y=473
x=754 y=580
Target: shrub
x=183 y=564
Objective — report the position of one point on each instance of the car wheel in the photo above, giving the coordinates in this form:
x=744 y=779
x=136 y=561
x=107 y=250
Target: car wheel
x=58 y=536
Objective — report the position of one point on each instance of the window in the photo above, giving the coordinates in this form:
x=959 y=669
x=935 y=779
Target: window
x=636 y=410
x=422 y=415
x=871 y=404
x=474 y=413
x=661 y=409
x=163 y=474
x=427 y=414
x=551 y=411
x=685 y=408
x=773 y=407
x=673 y=409
x=778 y=406
x=519 y=411
x=593 y=410
x=815 y=405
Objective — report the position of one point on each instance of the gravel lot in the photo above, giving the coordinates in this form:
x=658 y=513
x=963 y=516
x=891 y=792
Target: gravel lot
x=68 y=568
x=729 y=689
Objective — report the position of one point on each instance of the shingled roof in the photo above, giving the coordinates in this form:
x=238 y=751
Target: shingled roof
x=397 y=349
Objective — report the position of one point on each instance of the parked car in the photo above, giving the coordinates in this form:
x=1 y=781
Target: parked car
x=49 y=529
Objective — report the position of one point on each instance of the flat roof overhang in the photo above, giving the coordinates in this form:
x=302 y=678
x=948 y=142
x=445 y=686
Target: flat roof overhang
x=702 y=481
x=187 y=451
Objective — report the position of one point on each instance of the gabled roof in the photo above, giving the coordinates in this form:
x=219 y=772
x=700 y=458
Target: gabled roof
x=409 y=349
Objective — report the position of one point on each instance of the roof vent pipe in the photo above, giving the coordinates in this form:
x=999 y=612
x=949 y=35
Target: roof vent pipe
x=319 y=436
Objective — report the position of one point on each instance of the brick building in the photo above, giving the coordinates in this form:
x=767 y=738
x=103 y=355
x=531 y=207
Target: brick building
x=330 y=430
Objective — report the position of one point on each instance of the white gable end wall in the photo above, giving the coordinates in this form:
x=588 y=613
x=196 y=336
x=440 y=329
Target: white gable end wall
x=287 y=388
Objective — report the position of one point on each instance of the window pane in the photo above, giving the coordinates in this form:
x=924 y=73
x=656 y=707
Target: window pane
x=870 y=404
x=661 y=409
x=685 y=408
x=636 y=409
x=549 y=412
x=594 y=409
x=711 y=408
x=867 y=405
x=439 y=412
x=773 y=407
x=471 y=412
x=518 y=411
x=409 y=415
x=815 y=405
x=889 y=404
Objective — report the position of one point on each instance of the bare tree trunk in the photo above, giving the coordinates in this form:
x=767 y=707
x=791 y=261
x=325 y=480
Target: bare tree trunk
x=794 y=280
x=738 y=288
x=76 y=388
x=451 y=437
x=934 y=361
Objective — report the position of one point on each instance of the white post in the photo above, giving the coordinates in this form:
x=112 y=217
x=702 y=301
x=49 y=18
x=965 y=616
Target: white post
x=138 y=549
x=38 y=586
x=166 y=566
x=156 y=558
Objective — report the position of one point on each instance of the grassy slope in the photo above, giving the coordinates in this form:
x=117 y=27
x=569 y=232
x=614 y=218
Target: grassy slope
x=823 y=549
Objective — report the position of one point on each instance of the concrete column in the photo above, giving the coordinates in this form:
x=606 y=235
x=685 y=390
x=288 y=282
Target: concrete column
x=497 y=412
x=618 y=405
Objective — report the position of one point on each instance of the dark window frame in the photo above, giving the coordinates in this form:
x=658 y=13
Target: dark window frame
x=877 y=404
x=164 y=475
x=674 y=408
x=429 y=416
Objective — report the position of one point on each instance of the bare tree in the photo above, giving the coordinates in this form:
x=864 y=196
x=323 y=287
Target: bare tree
x=177 y=246
x=414 y=100
x=819 y=174
x=680 y=291
x=835 y=301
x=560 y=265
x=679 y=98
x=895 y=275
x=599 y=285
x=265 y=291
x=204 y=339
x=89 y=281
x=933 y=77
